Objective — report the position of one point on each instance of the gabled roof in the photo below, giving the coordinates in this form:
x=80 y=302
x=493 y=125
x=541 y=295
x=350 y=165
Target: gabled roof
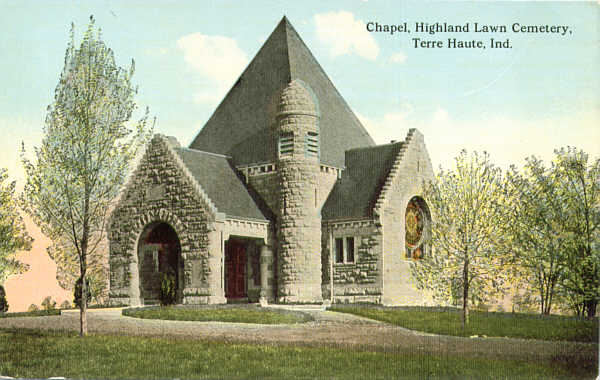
x=240 y=126
x=218 y=179
x=354 y=196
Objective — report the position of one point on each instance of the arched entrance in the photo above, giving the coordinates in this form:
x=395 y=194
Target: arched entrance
x=159 y=254
x=417 y=228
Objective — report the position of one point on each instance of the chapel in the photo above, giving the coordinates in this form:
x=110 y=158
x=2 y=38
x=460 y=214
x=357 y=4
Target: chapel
x=282 y=197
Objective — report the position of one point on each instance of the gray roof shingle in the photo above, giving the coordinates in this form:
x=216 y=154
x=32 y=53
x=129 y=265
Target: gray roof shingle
x=220 y=182
x=240 y=125
x=355 y=194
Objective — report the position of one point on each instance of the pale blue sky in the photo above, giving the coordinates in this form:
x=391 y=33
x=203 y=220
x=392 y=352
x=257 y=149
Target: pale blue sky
x=542 y=94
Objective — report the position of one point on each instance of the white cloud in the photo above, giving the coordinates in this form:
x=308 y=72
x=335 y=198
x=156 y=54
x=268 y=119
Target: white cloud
x=392 y=126
x=398 y=57
x=440 y=116
x=344 y=34
x=218 y=59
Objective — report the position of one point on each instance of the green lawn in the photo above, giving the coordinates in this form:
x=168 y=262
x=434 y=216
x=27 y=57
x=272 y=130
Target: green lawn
x=36 y=354
x=38 y=313
x=448 y=322
x=221 y=314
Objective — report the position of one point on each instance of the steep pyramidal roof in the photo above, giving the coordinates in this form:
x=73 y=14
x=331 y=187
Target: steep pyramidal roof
x=240 y=126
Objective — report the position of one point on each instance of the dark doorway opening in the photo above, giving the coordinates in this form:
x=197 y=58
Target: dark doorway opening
x=159 y=255
x=235 y=270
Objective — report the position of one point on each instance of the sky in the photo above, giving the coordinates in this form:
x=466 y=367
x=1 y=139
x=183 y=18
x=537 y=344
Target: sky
x=539 y=94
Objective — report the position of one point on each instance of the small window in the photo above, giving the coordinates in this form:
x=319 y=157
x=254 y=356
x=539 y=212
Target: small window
x=344 y=250
x=350 y=249
x=311 y=144
x=339 y=250
x=286 y=144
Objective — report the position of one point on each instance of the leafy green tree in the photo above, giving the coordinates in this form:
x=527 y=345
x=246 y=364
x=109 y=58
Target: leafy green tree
x=87 y=148
x=13 y=234
x=579 y=190
x=48 y=303
x=466 y=233
x=67 y=267
x=3 y=302
x=536 y=229
x=33 y=307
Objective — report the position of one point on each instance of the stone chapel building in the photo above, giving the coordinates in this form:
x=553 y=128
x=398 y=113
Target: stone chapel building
x=282 y=197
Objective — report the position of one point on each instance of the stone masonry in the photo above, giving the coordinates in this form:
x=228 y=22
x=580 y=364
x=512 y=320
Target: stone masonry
x=159 y=191
x=299 y=223
x=281 y=197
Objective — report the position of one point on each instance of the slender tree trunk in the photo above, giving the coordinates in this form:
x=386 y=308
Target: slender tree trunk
x=83 y=308
x=590 y=308
x=84 y=291
x=465 y=316
x=83 y=267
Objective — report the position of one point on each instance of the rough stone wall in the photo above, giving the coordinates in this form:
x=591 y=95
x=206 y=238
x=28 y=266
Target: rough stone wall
x=409 y=172
x=160 y=191
x=299 y=224
x=360 y=281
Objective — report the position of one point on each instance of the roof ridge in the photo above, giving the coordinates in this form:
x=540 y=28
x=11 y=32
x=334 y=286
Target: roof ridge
x=203 y=152
x=393 y=174
x=344 y=103
x=375 y=146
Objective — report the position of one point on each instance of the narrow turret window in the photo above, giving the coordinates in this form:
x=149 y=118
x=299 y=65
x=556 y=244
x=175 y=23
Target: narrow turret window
x=286 y=144
x=311 y=144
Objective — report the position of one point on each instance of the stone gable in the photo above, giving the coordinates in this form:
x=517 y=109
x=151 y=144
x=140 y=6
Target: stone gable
x=160 y=191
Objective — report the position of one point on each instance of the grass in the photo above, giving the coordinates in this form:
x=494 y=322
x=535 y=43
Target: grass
x=446 y=321
x=236 y=314
x=37 y=354
x=37 y=313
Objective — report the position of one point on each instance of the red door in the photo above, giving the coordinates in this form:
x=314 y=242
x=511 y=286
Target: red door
x=235 y=262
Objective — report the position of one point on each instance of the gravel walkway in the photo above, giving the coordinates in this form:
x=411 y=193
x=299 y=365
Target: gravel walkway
x=328 y=329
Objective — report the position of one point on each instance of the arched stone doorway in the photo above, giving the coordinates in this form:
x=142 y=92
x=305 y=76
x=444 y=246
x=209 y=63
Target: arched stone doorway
x=159 y=253
x=417 y=228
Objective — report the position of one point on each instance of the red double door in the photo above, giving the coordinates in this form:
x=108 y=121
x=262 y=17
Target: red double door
x=235 y=266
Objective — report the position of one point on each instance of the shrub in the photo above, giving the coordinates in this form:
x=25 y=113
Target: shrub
x=77 y=292
x=65 y=305
x=48 y=303
x=3 y=303
x=168 y=291
x=33 y=307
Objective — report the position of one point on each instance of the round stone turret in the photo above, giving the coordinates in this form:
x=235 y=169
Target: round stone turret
x=298 y=98
x=299 y=223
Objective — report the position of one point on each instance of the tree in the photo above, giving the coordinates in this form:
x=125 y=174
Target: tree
x=579 y=190
x=67 y=267
x=33 y=307
x=466 y=233
x=86 y=151
x=3 y=302
x=48 y=303
x=536 y=228
x=13 y=235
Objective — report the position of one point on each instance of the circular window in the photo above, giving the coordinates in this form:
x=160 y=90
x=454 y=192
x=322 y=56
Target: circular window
x=417 y=228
